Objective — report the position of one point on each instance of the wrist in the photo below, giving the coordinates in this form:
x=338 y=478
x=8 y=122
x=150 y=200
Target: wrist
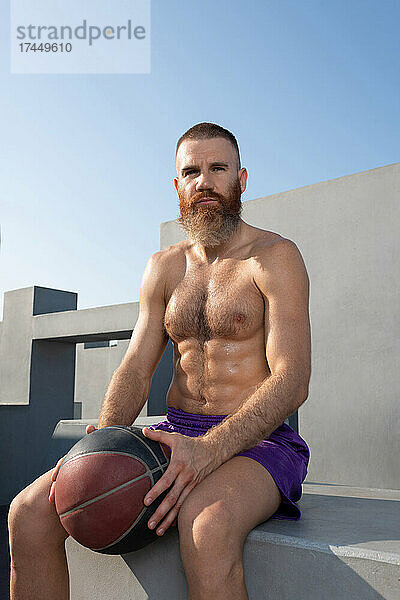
x=214 y=448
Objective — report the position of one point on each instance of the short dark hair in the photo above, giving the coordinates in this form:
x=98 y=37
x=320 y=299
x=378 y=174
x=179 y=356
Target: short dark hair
x=203 y=131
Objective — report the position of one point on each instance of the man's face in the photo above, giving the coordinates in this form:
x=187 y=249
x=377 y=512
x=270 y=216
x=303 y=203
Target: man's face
x=209 y=186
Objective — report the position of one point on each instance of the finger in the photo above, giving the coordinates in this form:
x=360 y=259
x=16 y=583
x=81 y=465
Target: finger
x=163 y=483
x=54 y=477
x=52 y=491
x=56 y=469
x=169 y=501
x=172 y=517
x=160 y=436
x=169 y=521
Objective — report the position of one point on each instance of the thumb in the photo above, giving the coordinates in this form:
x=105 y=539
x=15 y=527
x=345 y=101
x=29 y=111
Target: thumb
x=163 y=437
x=148 y=432
x=159 y=435
x=155 y=434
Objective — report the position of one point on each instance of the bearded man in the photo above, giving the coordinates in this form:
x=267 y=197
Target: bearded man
x=233 y=299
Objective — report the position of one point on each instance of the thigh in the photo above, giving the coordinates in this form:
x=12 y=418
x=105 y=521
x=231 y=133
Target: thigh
x=241 y=491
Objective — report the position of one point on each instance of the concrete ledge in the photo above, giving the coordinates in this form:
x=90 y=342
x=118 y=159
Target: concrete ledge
x=345 y=546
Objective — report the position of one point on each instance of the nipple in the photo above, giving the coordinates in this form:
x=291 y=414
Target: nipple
x=239 y=317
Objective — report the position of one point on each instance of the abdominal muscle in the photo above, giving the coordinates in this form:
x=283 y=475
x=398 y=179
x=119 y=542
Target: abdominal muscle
x=215 y=377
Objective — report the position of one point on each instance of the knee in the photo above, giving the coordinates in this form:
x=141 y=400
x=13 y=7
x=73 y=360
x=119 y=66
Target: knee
x=32 y=518
x=211 y=552
x=25 y=506
x=20 y=506
x=207 y=528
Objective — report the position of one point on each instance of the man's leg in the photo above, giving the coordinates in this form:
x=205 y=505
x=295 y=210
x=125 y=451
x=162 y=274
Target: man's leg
x=214 y=522
x=39 y=568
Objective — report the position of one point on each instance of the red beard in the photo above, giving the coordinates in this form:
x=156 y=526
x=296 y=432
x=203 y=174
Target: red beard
x=211 y=224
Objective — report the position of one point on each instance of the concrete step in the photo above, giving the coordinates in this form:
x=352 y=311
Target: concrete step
x=345 y=546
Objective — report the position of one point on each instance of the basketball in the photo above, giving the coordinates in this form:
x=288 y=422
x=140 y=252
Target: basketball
x=101 y=485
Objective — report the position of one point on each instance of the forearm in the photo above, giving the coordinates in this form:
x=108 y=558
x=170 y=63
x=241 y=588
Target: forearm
x=257 y=417
x=126 y=394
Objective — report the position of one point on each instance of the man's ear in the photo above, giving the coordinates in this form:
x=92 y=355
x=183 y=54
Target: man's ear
x=243 y=178
x=176 y=183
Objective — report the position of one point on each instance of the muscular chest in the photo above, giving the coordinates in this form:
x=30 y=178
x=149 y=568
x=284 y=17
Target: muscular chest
x=222 y=303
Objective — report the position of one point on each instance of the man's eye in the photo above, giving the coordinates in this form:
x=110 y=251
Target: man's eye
x=194 y=170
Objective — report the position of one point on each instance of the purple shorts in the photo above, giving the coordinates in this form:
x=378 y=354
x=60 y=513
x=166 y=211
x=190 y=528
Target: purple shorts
x=284 y=454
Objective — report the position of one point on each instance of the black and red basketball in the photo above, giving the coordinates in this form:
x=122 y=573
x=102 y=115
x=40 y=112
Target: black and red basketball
x=101 y=485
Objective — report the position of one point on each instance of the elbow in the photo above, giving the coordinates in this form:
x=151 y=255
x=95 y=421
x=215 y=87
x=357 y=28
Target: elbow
x=304 y=382
x=302 y=395
x=298 y=388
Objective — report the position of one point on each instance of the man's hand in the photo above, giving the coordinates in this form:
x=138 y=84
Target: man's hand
x=89 y=429
x=192 y=459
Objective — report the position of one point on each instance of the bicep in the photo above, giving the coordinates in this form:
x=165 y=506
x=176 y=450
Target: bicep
x=287 y=327
x=149 y=338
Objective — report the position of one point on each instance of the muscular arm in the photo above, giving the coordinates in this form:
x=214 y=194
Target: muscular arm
x=285 y=286
x=130 y=383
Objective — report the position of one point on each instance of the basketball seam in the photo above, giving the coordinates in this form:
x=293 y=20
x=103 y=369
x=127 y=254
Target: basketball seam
x=140 y=439
x=127 y=531
x=114 y=542
x=123 y=534
x=116 y=489
x=100 y=452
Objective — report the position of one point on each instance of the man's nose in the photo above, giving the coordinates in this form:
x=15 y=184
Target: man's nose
x=204 y=182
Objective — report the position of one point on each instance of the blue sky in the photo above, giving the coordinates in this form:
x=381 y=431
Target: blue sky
x=309 y=88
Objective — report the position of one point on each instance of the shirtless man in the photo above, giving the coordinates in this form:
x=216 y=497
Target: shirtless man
x=234 y=301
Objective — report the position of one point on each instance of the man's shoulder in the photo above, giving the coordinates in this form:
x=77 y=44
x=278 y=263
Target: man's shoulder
x=278 y=257
x=270 y=243
x=171 y=253
x=168 y=262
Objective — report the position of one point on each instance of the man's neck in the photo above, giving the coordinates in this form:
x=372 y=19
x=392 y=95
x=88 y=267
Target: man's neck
x=212 y=254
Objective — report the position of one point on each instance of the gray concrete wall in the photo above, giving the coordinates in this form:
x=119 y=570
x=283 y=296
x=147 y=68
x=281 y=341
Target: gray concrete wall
x=347 y=230
x=94 y=369
x=38 y=388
